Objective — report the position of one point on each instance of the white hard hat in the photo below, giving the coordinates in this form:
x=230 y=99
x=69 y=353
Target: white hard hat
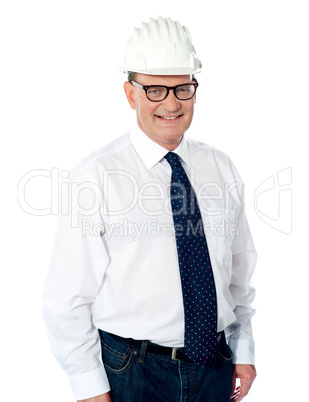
x=161 y=47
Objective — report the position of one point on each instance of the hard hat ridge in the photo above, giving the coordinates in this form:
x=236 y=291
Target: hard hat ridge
x=161 y=46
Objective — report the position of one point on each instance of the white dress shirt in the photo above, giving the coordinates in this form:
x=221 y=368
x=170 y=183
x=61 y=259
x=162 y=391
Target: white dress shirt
x=115 y=264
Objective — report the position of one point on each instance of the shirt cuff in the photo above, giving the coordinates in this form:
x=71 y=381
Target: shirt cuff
x=243 y=351
x=90 y=384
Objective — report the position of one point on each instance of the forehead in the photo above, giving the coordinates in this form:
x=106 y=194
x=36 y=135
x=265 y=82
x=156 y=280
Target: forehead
x=168 y=80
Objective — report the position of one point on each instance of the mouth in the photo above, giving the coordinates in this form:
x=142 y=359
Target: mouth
x=169 y=117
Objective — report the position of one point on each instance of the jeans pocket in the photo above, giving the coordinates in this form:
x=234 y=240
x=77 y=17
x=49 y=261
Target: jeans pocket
x=225 y=354
x=116 y=356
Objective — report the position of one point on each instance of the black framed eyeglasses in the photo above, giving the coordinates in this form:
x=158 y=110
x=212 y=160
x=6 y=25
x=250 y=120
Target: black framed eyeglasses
x=157 y=93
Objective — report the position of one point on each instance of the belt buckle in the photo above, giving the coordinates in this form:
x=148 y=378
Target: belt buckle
x=174 y=352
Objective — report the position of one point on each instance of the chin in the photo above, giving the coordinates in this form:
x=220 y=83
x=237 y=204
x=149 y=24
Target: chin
x=171 y=140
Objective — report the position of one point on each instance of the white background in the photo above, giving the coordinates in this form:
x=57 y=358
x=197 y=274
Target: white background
x=61 y=98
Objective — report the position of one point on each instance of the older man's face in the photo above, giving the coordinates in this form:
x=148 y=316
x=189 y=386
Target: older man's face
x=164 y=122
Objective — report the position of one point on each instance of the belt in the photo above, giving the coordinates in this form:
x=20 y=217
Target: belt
x=153 y=348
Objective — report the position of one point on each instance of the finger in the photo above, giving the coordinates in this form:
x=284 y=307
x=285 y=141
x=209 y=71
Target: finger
x=236 y=392
x=235 y=395
x=244 y=389
x=233 y=382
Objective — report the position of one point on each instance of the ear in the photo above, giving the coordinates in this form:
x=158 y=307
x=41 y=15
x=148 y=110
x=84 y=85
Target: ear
x=130 y=94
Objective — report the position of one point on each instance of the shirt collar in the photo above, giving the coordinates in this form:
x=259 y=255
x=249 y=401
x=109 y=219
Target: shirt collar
x=152 y=153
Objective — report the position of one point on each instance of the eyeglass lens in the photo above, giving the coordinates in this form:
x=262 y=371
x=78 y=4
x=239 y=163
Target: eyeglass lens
x=182 y=92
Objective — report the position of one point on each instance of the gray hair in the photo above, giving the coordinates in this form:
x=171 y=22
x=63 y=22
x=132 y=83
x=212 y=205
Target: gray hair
x=131 y=76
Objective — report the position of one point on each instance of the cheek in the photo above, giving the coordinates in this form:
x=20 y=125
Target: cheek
x=190 y=110
x=145 y=117
x=145 y=109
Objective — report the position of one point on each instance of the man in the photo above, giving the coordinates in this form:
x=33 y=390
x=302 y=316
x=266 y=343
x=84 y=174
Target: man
x=138 y=304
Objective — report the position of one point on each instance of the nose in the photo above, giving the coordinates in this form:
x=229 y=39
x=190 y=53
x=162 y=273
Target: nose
x=171 y=103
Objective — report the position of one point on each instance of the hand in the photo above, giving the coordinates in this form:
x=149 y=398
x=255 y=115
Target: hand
x=246 y=373
x=100 y=398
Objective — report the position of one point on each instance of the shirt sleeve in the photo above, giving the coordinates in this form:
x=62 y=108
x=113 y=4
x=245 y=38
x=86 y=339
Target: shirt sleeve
x=239 y=334
x=77 y=268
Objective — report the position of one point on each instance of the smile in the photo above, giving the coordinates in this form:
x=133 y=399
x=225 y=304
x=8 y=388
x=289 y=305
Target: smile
x=169 y=117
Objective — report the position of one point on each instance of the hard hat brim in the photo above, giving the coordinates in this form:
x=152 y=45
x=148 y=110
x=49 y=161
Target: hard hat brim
x=162 y=71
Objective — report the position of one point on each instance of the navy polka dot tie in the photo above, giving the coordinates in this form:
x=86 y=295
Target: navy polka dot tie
x=198 y=287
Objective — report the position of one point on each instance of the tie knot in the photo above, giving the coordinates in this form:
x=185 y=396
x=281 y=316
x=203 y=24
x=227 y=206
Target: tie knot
x=173 y=159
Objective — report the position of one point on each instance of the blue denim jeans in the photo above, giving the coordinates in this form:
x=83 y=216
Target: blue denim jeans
x=138 y=376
